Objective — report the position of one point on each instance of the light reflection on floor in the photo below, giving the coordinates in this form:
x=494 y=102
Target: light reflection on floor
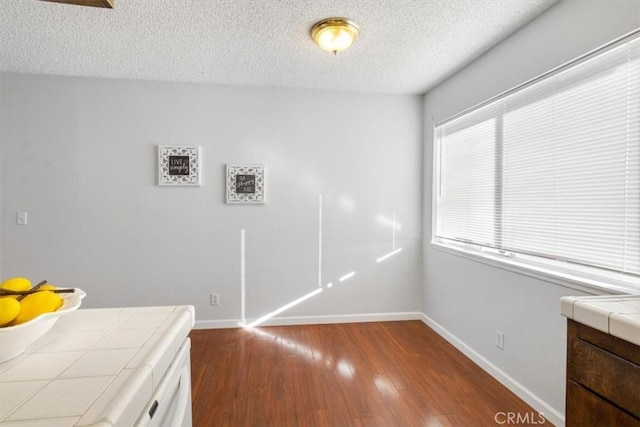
x=385 y=387
x=300 y=349
x=343 y=367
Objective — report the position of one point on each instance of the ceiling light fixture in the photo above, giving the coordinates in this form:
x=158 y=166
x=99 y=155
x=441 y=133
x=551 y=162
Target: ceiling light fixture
x=334 y=34
x=93 y=3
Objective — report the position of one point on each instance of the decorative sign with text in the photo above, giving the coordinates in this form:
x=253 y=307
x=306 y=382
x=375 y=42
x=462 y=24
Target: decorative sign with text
x=178 y=165
x=245 y=184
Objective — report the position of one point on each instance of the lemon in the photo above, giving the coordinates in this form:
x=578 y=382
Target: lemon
x=9 y=309
x=33 y=305
x=49 y=287
x=16 y=284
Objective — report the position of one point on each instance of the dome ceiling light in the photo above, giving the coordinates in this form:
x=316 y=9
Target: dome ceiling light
x=334 y=34
x=93 y=3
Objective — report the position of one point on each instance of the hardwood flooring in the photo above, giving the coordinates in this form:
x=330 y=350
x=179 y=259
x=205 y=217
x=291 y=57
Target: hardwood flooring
x=354 y=374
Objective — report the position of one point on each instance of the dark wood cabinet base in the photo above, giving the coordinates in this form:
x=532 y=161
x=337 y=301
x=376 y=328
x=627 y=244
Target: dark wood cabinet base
x=603 y=379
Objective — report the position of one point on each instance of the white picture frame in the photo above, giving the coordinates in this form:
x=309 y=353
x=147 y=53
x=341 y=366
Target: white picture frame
x=179 y=165
x=245 y=184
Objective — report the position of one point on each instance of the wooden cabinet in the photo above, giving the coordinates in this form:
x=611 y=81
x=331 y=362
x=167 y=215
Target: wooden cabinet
x=603 y=379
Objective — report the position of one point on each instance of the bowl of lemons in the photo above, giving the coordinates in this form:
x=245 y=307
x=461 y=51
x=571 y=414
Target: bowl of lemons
x=28 y=312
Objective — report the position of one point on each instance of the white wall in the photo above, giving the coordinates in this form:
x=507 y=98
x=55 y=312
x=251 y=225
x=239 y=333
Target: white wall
x=1 y=187
x=468 y=300
x=80 y=158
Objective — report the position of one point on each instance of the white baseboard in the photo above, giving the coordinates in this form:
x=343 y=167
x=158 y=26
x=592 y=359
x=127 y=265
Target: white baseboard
x=217 y=324
x=551 y=414
x=312 y=320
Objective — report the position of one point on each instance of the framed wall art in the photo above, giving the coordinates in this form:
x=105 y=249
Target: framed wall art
x=178 y=165
x=245 y=184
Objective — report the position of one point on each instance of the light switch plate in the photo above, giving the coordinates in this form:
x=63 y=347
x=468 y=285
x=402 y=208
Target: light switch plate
x=21 y=218
x=500 y=339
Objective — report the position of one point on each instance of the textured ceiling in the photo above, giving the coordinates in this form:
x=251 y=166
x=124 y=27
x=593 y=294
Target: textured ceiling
x=405 y=46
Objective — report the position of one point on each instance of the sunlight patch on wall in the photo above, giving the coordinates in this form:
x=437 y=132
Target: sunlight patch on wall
x=389 y=255
x=390 y=222
x=285 y=307
x=394 y=226
x=347 y=276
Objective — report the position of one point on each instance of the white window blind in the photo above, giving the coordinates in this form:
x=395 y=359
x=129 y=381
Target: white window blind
x=550 y=170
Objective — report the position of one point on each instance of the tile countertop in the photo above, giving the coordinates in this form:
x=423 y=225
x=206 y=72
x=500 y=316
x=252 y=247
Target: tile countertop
x=95 y=367
x=617 y=315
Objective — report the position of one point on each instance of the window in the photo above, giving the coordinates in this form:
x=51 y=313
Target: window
x=547 y=176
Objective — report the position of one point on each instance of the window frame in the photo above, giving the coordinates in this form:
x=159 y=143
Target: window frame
x=583 y=278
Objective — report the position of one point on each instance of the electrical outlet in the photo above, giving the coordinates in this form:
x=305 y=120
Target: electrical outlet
x=215 y=299
x=500 y=339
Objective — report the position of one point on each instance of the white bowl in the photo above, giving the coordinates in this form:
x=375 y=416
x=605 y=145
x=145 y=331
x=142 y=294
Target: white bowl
x=14 y=340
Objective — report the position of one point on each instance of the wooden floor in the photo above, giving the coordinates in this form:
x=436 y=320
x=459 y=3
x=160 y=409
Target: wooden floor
x=357 y=374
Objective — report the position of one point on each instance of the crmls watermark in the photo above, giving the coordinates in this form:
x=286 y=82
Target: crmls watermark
x=519 y=418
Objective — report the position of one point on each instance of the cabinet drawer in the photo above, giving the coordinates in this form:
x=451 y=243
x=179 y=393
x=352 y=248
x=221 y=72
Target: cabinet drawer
x=585 y=409
x=615 y=379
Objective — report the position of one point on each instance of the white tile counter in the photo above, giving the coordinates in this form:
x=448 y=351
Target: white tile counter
x=616 y=315
x=95 y=367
